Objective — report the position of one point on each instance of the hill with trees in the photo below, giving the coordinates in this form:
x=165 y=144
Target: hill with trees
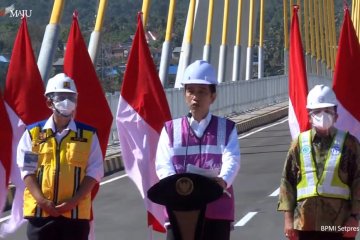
x=120 y=24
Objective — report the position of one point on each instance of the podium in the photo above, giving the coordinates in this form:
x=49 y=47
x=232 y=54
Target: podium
x=185 y=196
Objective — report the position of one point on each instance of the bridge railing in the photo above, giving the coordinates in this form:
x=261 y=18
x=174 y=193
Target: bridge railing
x=232 y=97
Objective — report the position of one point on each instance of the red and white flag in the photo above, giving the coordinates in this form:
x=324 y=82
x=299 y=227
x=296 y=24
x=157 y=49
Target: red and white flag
x=25 y=103
x=91 y=100
x=78 y=66
x=142 y=112
x=346 y=80
x=5 y=153
x=298 y=89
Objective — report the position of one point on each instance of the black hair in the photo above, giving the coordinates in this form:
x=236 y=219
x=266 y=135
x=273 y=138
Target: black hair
x=212 y=87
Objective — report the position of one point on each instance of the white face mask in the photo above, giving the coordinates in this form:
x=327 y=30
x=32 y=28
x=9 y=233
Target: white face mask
x=322 y=120
x=65 y=107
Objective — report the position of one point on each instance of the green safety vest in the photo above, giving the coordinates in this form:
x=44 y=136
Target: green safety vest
x=329 y=184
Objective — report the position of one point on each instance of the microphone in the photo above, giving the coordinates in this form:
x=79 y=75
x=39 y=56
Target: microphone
x=189 y=115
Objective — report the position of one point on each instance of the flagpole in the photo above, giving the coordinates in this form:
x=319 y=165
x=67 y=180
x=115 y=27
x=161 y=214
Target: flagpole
x=312 y=37
x=50 y=40
x=322 y=39
x=166 y=48
x=261 y=42
x=145 y=11
x=333 y=32
x=306 y=36
x=237 y=47
x=207 y=46
x=327 y=37
x=317 y=38
x=96 y=34
x=187 y=43
x=223 y=47
x=250 y=42
x=286 y=42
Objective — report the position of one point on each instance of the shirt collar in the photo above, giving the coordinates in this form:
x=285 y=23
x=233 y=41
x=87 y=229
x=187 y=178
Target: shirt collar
x=50 y=124
x=204 y=121
x=332 y=130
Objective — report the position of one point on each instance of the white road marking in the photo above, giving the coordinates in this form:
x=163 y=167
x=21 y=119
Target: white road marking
x=275 y=193
x=263 y=128
x=245 y=219
x=4 y=219
x=113 y=179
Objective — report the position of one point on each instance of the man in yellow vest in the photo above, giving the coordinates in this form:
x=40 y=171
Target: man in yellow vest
x=320 y=184
x=60 y=161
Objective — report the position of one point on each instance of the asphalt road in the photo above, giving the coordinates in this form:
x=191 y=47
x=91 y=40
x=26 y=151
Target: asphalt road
x=120 y=212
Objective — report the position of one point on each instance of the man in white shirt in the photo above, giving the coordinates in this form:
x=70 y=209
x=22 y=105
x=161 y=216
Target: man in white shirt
x=203 y=140
x=60 y=162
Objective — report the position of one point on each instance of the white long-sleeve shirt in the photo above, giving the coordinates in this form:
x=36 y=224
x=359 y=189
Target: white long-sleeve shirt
x=230 y=156
x=95 y=165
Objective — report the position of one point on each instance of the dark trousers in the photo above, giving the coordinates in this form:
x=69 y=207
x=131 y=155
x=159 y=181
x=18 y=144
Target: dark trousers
x=213 y=230
x=314 y=235
x=59 y=228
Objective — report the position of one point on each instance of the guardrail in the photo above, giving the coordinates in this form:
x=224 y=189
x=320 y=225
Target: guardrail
x=232 y=97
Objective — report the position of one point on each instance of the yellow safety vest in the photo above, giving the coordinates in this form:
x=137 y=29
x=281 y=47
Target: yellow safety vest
x=329 y=184
x=61 y=168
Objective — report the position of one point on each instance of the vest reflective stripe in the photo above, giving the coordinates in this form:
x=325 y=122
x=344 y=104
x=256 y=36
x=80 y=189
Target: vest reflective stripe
x=38 y=210
x=221 y=138
x=61 y=168
x=177 y=134
x=77 y=179
x=221 y=132
x=330 y=184
x=307 y=186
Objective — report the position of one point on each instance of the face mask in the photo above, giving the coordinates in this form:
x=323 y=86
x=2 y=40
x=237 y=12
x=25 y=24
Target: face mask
x=322 y=120
x=65 y=107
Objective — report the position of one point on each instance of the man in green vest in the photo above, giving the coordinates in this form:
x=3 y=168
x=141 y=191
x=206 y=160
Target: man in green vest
x=320 y=184
x=60 y=161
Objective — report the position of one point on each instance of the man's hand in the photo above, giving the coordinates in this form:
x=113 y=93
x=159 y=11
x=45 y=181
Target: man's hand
x=35 y=190
x=289 y=230
x=49 y=207
x=66 y=206
x=221 y=182
x=85 y=188
x=351 y=227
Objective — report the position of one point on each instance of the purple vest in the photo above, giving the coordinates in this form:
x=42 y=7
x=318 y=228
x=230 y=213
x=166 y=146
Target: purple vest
x=205 y=152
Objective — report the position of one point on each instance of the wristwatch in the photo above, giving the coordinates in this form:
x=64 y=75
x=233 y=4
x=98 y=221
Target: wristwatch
x=356 y=216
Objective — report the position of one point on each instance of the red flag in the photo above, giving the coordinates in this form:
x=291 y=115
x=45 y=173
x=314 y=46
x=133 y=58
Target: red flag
x=298 y=89
x=5 y=152
x=142 y=112
x=24 y=89
x=25 y=103
x=91 y=100
x=346 y=80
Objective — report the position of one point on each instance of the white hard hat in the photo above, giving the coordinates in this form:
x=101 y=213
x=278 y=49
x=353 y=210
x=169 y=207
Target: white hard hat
x=321 y=96
x=60 y=83
x=199 y=72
